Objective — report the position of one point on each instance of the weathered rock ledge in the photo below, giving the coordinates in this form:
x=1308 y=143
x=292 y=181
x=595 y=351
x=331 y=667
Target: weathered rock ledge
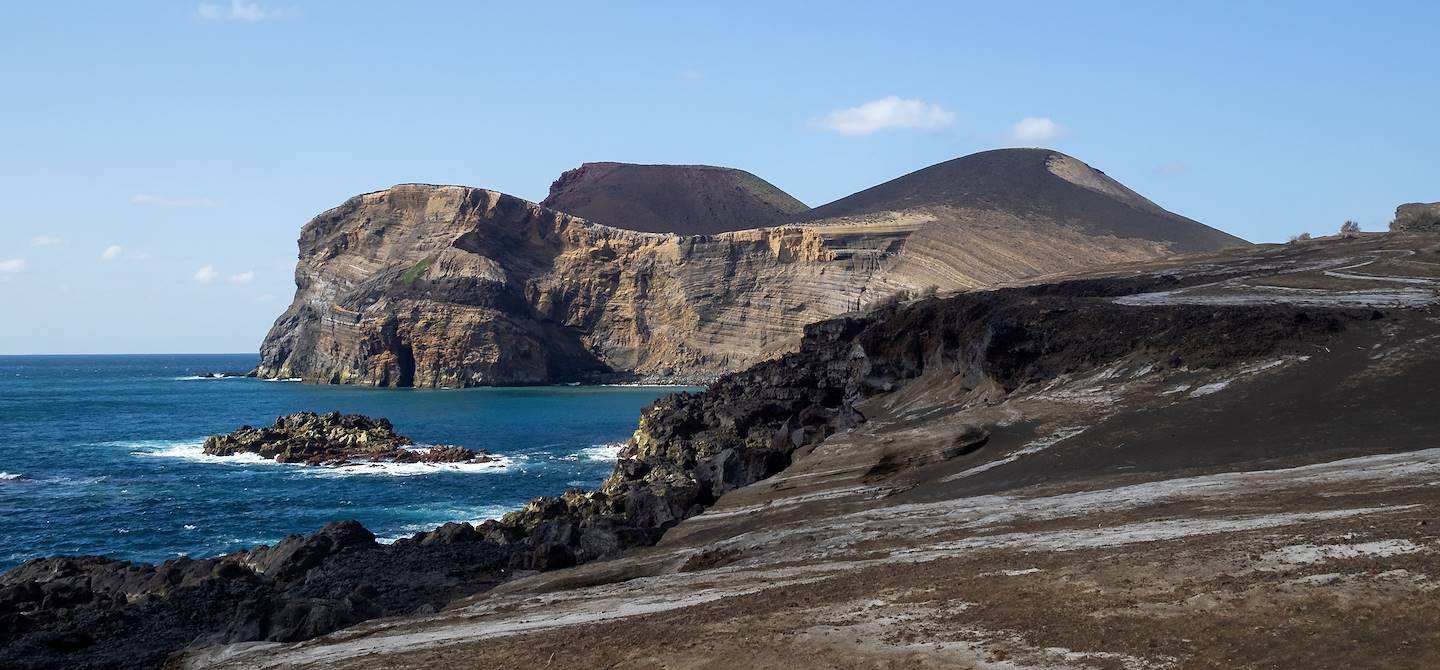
x=1420 y=217
x=334 y=439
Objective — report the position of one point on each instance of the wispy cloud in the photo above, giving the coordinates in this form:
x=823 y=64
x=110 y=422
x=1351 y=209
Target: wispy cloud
x=45 y=241
x=691 y=74
x=1035 y=129
x=241 y=277
x=240 y=10
x=883 y=114
x=111 y=252
x=1170 y=169
x=206 y=275
x=13 y=265
x=147 y=199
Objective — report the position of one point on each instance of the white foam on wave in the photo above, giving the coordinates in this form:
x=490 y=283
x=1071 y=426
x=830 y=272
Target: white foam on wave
x=596 y=453
x=189 y=451
x=408 y=469
x=600 y=452
x=10 y=476
x=72 y=481
x=647 y=385
x=194 y=451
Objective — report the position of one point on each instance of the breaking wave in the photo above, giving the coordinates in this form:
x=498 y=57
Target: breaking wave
x=194 y=451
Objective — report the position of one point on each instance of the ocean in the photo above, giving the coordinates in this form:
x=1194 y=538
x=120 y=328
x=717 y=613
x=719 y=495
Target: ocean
x=100 y=455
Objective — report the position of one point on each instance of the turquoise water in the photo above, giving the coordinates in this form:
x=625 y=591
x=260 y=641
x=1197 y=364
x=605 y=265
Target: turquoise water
x=100 y=455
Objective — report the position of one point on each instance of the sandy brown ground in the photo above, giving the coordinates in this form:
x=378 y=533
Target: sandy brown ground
x=1201 y=573
x=1277 y=513
x=1209 y=602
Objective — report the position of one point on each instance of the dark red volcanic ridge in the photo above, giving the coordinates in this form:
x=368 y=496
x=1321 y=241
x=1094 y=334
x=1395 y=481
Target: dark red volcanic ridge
x=683 y=199
x=1027 y=182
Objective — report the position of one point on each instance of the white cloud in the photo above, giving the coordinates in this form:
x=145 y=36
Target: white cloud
x=1035 y=129
x=206 y=275
x=241 y=278
x=163 y=201
x=240 y=10
x=45 y=241
x=13 y=265
x=111 y=252
x=890 y=112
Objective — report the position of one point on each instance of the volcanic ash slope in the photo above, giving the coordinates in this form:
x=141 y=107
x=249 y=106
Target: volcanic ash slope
x=1219 y=461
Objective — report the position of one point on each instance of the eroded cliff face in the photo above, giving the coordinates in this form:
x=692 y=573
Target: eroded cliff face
x=449 y=286
x=393 y=289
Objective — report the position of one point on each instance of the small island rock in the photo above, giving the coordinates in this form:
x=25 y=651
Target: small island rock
x=334 y=439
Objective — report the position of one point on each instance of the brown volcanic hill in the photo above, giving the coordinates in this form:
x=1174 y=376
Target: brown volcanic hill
x=1031 y=183
x=683 y=199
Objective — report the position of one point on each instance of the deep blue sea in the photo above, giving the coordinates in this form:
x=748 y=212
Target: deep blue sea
x=101 y=455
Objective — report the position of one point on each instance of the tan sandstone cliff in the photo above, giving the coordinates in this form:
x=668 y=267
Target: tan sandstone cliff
x=434 y=286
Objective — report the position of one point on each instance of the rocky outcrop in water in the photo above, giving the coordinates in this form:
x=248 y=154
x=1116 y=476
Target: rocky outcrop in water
x=448 y=286
x=1420 y=217
x=334 y=439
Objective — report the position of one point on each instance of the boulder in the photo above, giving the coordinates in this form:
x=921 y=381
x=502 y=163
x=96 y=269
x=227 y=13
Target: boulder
x=295 y=555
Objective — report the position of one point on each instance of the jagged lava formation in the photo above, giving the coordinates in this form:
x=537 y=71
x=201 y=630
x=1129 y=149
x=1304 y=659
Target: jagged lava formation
x=449 y=286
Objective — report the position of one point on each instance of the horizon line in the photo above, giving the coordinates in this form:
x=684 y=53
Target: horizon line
x=137 y=353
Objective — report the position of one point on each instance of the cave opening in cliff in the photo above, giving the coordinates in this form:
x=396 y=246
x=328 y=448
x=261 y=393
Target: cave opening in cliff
x=405 y=364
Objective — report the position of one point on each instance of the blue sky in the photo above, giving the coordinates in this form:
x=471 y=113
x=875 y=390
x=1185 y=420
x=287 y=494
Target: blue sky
x=158 y=159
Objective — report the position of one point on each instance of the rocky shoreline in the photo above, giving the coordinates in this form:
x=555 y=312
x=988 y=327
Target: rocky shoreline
x=334 y=440
x=689 y=449
x=667 y=378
